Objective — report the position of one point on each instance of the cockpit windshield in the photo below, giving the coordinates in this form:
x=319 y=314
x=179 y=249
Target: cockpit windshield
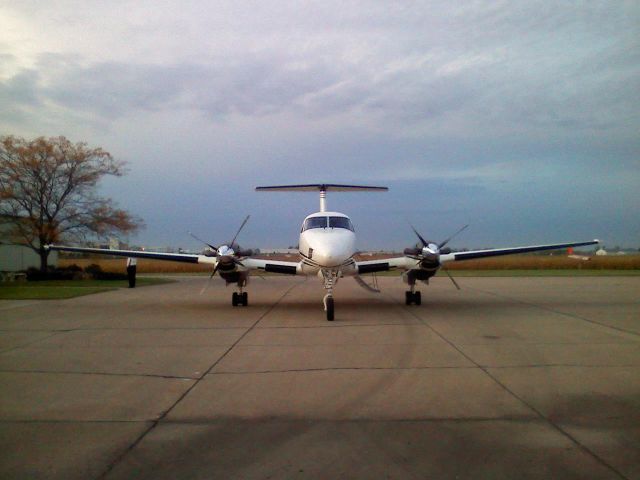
x=315 y=222
x=330 y=222
x=340 y=222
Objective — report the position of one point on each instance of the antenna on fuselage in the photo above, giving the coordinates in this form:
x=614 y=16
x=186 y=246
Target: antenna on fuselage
x=323 y=188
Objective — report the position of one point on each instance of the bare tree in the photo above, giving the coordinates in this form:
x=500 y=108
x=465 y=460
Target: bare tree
x=48 y=192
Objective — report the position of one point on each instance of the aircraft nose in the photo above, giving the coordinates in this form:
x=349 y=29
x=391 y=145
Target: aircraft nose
x=326 y=259
x=330 y=249
x=330 y=257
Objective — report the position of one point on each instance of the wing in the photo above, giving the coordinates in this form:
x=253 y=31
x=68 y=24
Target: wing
x=450 y=257
x=290 y=268
x=172 y=257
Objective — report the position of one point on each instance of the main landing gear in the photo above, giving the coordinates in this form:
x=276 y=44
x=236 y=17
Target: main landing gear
x=239 y=298
x=412 y=297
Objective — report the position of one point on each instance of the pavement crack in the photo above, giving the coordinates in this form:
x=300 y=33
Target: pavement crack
x=533 y=409
x=105 y=374
x=557 y=312
x=11 y=349
x=164 y=414
x=336 y=369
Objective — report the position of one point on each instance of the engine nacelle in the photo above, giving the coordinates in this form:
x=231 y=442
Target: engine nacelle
x=241 y=278
x=226 y=264
x=411 y=276
x=431 y=262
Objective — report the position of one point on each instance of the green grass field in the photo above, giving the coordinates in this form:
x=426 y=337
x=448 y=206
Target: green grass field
x=59 y=289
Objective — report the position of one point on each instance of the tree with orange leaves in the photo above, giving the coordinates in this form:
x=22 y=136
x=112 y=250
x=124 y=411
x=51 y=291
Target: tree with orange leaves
x=48 y=193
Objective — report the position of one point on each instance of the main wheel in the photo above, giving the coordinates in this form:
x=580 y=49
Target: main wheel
x=234 y=299
x=408 y=298
x=417 y=298
x=245 y=298
x=330 y=309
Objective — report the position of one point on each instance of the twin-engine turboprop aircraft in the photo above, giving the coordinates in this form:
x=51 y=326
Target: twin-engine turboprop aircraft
x=327 y=247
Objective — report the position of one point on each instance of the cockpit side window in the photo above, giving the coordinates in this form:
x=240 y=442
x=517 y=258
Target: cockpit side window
x=340 y=222
x=314 y=222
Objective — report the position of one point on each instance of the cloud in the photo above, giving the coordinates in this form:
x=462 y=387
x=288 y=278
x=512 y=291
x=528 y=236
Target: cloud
x=496 y=99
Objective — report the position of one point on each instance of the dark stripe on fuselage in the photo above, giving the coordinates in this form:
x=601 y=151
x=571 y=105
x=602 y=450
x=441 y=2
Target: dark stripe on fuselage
x=376 y=267
x=286 y=269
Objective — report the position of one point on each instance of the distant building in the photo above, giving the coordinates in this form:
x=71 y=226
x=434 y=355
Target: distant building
x=601 y=252
x=15 y=258
x=279 y=251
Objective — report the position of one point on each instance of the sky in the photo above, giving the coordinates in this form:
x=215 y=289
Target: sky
x=520 y=119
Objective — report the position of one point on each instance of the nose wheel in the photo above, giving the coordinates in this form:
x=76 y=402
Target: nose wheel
x=330 y=278
x=240 y=298
x=329 y=307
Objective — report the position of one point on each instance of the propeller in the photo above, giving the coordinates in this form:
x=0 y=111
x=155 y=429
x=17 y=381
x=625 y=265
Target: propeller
x=451 y=237
x=451 y=277
x=206 y=285
x=429 y=254
x=225 y=254
x=215 y=249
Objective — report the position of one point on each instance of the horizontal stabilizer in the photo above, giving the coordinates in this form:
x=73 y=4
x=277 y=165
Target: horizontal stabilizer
x=321 y=187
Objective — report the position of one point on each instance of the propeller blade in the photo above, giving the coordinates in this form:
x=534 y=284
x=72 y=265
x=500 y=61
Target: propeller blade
x=206 y=285
x=449 y=239
x=449 y=275
x=215 y=249
x=239 y=230
x=424 y=242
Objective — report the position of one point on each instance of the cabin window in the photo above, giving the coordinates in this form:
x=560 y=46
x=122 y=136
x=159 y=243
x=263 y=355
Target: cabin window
x=315 y=222
x=340 y=222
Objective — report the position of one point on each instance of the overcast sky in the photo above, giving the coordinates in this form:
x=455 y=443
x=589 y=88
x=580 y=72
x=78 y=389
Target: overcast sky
x=519 y=118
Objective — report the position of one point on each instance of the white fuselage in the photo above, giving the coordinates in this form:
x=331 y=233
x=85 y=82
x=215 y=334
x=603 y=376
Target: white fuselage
x=327 y=241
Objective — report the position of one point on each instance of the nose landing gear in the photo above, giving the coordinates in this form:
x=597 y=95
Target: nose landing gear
x=330 y=278
x=328 y=306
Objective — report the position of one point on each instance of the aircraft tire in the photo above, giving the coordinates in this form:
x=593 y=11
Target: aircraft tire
x=417 y=298
x=408 y=298
x=330 y=309
x=234 y=299
x=245 y=298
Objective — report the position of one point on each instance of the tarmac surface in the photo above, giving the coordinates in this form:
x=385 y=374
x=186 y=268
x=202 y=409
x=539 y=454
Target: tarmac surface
x=507 y=378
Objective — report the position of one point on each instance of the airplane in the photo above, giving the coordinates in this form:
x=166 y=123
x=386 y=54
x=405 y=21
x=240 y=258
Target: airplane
x=327 y=247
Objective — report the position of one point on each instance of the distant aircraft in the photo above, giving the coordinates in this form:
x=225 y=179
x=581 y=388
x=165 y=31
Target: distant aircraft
x=327 y=247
